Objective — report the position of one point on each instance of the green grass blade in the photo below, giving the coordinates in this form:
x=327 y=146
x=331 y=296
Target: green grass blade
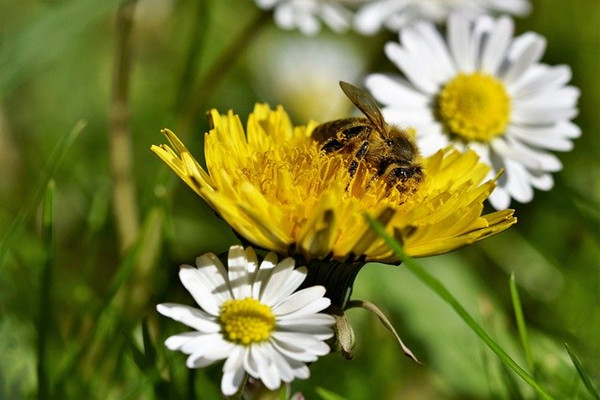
x=583 y=374
x=25 y=53
x=52 y=164
x=328 y=394
x=44 y=309
x=523 y=335
x=435 y=285
x=510 y=383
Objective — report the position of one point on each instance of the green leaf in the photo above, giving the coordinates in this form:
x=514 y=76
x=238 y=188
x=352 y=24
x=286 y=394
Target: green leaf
x=523 y=336
x=328 y=395
x=44 y=309
x=583 y=374
x=26 y=52
x=54 y=161
x=435 y=285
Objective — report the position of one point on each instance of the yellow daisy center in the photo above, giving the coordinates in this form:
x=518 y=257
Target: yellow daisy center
x=246 y=321
x=474 y=106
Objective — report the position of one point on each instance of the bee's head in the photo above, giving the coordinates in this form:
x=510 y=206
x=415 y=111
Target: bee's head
x=401 y=145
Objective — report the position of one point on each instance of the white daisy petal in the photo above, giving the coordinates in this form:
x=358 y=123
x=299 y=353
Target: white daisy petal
x=282 y=364
x=192 y=317
x=371 y=17
x=396 y=14
x=426 y=60
x=176 y=342
x=306 y=15
x=294 y=280
x=411 y=67
x=293 y=352
x=434 y=141
x=235 y=359
x=206 y=295
x=542 y=115
x=526 y=50
x=197 y=361
x=541 y=180
x=252 y=357
x=311 y=308
x=533 y=159
x=298 y=300
x=300 y=369
x=193 y=342
x=308 y=343
x=231 y=381
x=499 y=199
x=237 y=273
x=277 y=280
x=267 y=370
x=459 y=39
x=565 y=97
x=407 y=116
x=479 y=36
x=394 y=91
x=518 y=183
x=263 y=274
x=497 y=45
x=207 y=352
x=551 y=138
x=318 y=332
x=540 y=79
x=443 y=60
x=314 y=320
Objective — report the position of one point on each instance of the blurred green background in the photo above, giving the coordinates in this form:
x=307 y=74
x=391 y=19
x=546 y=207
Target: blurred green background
x=85 y=300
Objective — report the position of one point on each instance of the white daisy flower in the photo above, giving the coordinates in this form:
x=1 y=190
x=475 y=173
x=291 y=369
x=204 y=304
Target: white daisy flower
x=396 y=14
x=250 y=316
x=483 y=89
x=306 y=15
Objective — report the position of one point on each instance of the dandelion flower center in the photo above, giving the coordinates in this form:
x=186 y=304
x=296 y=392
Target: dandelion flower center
x=246 y=321
x=474 y=106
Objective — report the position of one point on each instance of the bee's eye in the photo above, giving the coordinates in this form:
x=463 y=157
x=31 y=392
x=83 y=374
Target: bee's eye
x=389 y=142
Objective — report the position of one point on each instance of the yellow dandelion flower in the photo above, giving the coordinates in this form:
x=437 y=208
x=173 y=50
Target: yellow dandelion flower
x=271 y=183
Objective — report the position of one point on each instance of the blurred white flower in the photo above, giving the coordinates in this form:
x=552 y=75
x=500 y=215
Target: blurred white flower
x=483 y=89
x=396 y=14
x=306 y=15
x=250 y=316
x=303 y=74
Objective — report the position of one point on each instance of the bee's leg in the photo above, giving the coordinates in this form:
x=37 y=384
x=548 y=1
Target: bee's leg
x=357 y=157
x=403 y=173
x=410 y=177
x=332 y=145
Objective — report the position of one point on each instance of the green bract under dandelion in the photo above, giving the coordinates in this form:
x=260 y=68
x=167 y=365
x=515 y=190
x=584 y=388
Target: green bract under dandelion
x=277 y=190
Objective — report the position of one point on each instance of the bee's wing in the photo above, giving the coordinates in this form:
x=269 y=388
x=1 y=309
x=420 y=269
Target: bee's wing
x=365 y=103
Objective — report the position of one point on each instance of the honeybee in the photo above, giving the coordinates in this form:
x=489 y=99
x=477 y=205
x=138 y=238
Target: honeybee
x=386 y=148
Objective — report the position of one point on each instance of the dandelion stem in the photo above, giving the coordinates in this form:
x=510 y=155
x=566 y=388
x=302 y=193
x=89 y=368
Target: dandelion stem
x=123 y=189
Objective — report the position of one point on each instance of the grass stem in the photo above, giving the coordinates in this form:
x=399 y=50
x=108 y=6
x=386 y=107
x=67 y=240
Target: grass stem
x=121 y=160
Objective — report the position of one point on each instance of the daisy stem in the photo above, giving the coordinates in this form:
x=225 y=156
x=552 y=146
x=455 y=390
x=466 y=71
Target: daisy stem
x=436 y=286
x=123 y=188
